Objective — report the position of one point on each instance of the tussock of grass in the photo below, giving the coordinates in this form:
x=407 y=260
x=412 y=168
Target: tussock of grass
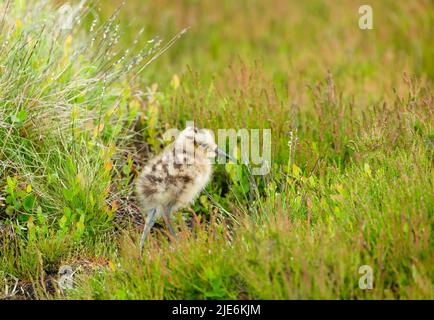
x=351 y=181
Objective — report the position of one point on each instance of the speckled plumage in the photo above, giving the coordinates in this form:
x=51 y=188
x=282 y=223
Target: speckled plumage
x=173 y=179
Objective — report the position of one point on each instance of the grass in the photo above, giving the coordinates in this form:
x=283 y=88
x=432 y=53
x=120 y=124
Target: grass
x=351 y=181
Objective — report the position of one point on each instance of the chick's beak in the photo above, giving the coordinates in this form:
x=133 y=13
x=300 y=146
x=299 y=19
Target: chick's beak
x=221 y=153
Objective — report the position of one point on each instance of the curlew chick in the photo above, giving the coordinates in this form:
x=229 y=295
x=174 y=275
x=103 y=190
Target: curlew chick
x=172 y=179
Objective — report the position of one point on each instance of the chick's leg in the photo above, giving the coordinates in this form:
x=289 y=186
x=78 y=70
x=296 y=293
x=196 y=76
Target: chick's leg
x=168 y=220
x=150 y=220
